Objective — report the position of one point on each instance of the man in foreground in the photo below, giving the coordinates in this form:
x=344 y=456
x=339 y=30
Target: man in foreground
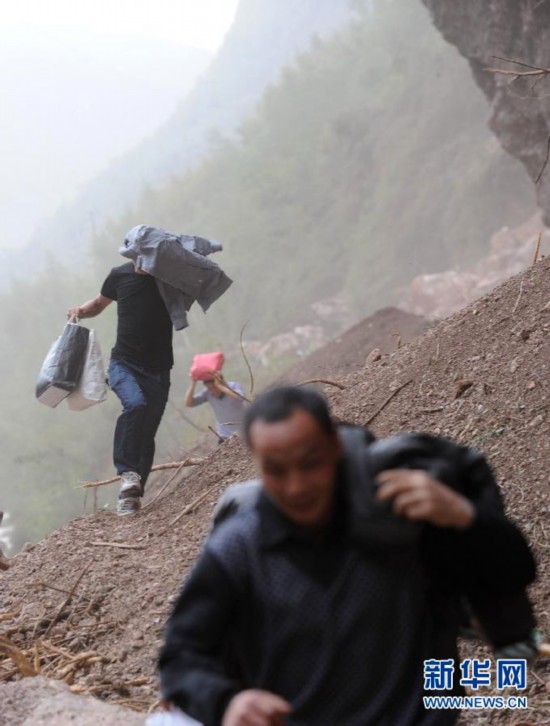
x=286 y=619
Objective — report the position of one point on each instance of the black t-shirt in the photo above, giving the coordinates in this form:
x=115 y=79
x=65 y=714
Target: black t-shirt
x=144 y=331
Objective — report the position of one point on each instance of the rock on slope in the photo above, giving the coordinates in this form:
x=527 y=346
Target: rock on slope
x=500 y=345
x=40 y=702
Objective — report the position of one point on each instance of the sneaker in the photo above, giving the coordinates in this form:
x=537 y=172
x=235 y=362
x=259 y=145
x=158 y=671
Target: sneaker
x=128 y=505
x=130 y=485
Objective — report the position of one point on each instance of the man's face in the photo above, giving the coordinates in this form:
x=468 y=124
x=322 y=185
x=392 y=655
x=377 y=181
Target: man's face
x=298 y=461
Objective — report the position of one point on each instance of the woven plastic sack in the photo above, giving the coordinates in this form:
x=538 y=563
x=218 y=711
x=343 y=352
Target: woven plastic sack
x=62 y=367
x=204 y=365
x=92 y=387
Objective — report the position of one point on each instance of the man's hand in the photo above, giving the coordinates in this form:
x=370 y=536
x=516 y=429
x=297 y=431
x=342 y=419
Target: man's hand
x=418 y=496
x=256 y=708
x=74 y=313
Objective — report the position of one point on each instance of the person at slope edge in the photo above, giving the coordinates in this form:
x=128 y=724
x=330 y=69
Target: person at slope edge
x=226 y=399
x=153 y=292
x=301 y=612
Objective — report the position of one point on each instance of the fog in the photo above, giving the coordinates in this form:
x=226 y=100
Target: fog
x=72 y=104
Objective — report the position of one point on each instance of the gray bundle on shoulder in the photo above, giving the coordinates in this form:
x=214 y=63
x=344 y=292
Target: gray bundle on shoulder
x=180 y=267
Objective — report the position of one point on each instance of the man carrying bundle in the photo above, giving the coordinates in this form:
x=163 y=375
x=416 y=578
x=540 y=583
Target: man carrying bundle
x=321 y=599
x=153 y=293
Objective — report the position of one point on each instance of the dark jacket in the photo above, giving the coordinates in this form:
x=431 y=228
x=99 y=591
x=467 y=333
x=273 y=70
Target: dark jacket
x=340 y=628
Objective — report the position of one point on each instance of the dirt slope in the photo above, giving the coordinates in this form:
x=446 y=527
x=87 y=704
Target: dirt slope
x=500 y=345
x=386 y=330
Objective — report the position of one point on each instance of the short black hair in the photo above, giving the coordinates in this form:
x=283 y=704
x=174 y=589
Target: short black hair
x=278 y=404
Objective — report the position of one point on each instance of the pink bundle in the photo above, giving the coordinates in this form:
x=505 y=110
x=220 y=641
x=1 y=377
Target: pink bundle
x=205 y=365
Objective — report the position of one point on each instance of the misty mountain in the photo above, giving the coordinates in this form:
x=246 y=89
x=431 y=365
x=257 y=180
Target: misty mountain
x=264 y=37
x=70 y=106
x=368 y=163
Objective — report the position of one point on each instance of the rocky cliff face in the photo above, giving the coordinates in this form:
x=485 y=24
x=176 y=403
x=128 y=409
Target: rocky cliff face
x=520 y=105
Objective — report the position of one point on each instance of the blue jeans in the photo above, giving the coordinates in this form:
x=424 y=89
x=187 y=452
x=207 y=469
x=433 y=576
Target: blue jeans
x=143 y=394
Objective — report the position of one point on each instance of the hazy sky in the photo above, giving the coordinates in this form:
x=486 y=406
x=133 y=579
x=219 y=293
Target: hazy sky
x=83 y=81
x=198 y=23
